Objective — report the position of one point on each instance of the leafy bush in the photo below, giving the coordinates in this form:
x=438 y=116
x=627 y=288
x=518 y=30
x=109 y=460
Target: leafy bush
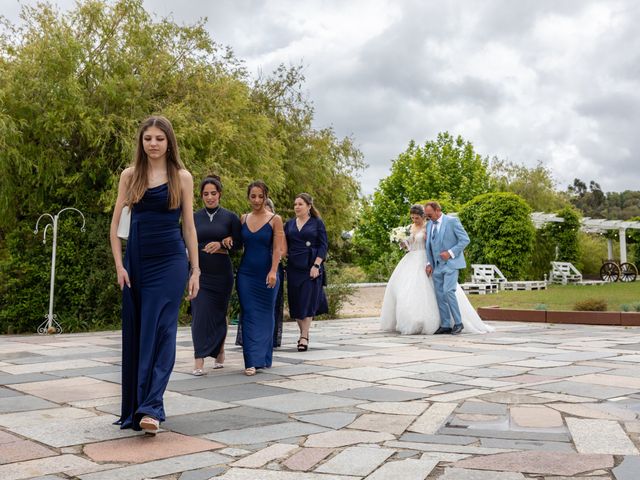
x=338 y=290
x=591 y=305
x=593 y=248
x=501 y=232
x=630 y=307
x=565 y=235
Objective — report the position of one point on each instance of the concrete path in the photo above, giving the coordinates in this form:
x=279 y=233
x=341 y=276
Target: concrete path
x=525 y=402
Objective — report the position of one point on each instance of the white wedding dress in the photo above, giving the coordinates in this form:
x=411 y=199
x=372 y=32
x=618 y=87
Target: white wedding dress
x=410 y=305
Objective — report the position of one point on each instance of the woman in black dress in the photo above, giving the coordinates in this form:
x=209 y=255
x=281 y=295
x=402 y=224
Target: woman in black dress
x=307 y=250
x=218 y=232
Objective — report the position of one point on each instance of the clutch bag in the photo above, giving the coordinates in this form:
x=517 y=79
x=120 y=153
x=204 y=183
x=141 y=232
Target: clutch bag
x=125 y=223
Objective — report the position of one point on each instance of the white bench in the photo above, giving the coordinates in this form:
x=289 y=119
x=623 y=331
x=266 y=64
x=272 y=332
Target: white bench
x=526 y=285
x=479 y=288
x=487 y=273
x=564 y=272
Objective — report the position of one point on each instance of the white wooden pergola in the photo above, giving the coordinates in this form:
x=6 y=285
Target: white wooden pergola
x=594 y=225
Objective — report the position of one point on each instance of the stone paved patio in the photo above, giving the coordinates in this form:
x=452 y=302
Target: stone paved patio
x=526 y=402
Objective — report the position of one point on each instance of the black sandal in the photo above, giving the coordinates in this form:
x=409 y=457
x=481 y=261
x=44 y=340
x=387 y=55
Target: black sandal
x=301 y=346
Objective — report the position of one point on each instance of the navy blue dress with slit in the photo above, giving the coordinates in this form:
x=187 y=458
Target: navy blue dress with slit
x=257 y=301
x=156 y=262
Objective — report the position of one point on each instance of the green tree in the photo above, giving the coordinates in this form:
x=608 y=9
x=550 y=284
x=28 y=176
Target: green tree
x=501 y=232
x=536 y=185
x=447 y=169
x=73 y=89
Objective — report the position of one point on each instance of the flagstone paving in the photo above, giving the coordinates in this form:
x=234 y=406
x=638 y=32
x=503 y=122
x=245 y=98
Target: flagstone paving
x=550 y=402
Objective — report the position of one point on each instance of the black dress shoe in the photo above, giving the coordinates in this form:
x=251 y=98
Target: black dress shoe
x=457 y=329
x=442 y=330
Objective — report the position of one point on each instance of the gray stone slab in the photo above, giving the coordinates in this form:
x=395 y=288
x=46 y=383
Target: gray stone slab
x=211 y=381
x=356 y=461
x=628 y=468
x=467 y=474
x=89 y=372
x=202 y=473
x=527 y=445
x=483 y=408
x=300 y=369
x=74 y=431
x=508 y=434
x=444 y=439
x=568 y=371
x=576 y=356
x=239 y=392
x=8 y=379
x=450 y=387
x=494 y=372
x=159 y=468
x=269 y=433
x=7 y=392
x=600 y=437
x=379 y=394
x=334 y=420
x=585 y=389
x=230 y=419
x=405 y=470
x=298 y=402
x=442 y=377
x=24 y=403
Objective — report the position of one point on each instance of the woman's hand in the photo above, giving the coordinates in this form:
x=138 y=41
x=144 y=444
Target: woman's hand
x=272 y=278
x=123 y=278
x=227 y=242
x=314 y=273
x=194 y=284
x=212 y=247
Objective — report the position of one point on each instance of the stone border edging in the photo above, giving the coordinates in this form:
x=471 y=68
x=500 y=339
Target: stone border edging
x=625 y=319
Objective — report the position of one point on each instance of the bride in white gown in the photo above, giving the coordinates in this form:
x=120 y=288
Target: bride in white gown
x=409 y=305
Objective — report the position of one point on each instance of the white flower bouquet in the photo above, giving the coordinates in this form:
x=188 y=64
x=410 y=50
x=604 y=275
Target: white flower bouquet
x=400 y=235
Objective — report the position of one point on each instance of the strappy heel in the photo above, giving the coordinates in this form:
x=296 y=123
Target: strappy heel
x=301 y=346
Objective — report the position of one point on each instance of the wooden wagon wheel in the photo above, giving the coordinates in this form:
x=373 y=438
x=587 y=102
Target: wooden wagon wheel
x=628 y=272
x=609 y=272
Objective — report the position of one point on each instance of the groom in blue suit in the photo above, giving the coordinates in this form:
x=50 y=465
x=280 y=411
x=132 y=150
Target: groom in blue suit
x=445 y=243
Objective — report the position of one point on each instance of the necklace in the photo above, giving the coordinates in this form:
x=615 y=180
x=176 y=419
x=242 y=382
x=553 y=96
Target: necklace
x=211 y=215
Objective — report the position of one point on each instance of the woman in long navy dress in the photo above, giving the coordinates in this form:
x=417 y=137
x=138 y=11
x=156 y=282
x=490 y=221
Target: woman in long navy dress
x=257 y=280
x=218 y=232
x=155 y=269
x=307 y=250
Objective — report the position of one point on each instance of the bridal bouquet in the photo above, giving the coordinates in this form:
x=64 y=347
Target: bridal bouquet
x=400 y=235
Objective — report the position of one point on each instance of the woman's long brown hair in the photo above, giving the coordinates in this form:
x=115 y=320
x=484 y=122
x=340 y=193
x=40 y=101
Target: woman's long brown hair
x=138 y=184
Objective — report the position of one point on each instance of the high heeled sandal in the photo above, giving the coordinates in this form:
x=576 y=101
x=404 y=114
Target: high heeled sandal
x=250 y=372
x=219 y=364
x=301 y=346
x=150 y=425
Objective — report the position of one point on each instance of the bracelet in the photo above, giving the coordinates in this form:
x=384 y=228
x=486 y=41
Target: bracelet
x=194 y=269
x=315 y=265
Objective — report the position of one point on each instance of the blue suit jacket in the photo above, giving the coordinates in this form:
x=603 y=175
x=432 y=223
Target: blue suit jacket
x=452 y=236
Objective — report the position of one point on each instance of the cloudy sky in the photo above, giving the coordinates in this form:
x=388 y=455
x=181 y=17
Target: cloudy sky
x=526 y=81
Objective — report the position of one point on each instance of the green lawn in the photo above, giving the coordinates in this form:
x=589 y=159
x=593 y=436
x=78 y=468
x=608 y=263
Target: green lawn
x=562 y=297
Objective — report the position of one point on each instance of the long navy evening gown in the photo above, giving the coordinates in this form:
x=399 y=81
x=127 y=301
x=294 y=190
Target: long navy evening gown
x=157 y=264
x=257 y=301
x=305 y=295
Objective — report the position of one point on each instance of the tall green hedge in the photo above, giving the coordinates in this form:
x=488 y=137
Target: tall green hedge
x=501 y=232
